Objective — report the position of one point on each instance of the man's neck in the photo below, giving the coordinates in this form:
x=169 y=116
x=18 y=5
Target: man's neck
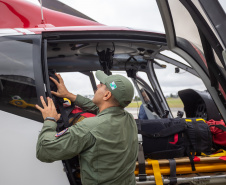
x=105 y=106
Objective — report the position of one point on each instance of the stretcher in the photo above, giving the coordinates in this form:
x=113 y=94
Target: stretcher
x=208 y=170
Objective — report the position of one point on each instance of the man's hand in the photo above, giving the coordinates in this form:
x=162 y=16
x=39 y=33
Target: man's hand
x=62 y=91
x=48 y=110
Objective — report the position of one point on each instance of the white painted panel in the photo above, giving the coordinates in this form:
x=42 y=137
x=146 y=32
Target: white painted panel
x=18 y=137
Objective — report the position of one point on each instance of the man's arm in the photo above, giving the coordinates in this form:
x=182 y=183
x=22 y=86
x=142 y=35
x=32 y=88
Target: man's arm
x=53 y=146
x=86 y=104
x=62 y=92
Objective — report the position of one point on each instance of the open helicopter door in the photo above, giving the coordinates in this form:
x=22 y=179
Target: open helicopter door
x=21 y=82
x=197 y=28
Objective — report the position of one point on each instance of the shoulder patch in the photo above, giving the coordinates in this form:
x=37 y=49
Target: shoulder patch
x=61 y=133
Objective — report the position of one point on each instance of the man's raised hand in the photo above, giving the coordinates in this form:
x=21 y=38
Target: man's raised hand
x=62 y=91
x=48 y=110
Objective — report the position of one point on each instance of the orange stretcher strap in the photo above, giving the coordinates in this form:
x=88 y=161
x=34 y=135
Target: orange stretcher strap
x=157 y=173
x=186 y=169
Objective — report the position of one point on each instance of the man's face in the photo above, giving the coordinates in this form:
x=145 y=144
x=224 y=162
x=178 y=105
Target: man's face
x=99 y=94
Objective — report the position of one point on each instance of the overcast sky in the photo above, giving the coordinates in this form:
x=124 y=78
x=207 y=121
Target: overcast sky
x=142 y=14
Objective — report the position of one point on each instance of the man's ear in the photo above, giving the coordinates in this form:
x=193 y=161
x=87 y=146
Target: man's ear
x=107 y=95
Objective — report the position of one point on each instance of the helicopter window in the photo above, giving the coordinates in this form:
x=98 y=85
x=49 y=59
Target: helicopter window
x=149 y=97
x=174 y=56
x=172 y=81
x=78 y=83
x=145 y=95
x=17 y=84
x=189 y=30
x=144 y=77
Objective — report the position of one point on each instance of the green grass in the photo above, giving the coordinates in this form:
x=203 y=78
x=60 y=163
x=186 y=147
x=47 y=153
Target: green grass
x=173 y=103
x=134 y=104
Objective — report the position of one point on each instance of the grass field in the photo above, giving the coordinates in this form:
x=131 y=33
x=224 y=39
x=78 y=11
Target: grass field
x=134 y=104
x=173 y=103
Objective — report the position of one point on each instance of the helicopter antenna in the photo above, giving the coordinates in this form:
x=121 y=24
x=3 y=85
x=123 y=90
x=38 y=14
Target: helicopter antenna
x=41 y=12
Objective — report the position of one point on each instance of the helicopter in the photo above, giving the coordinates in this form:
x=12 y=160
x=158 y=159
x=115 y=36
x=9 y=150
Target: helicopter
x=35 y=40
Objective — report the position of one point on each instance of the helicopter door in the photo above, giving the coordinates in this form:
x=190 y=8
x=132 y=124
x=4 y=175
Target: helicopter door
x=21 y=75
x=202 y=25
x=209 y=18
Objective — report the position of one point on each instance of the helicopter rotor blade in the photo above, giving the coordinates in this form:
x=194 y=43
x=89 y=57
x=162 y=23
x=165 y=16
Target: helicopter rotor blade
x=61 y=7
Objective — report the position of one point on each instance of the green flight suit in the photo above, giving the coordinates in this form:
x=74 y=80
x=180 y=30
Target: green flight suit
x=107 y=145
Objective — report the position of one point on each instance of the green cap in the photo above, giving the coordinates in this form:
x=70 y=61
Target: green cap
x=120 y=87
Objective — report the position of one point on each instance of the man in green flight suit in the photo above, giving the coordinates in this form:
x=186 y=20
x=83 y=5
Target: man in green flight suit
x=107 y=144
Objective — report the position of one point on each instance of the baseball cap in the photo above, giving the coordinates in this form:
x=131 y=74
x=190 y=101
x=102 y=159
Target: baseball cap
x=120 y=87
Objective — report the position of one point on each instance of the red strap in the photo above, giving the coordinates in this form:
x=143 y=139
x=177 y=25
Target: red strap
x=85 y=114
x=213 y=122
x=175 y=139
x=210 y=122
x=223 y=158
x=76 y=110
x=196 y=159
x=88 y=115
